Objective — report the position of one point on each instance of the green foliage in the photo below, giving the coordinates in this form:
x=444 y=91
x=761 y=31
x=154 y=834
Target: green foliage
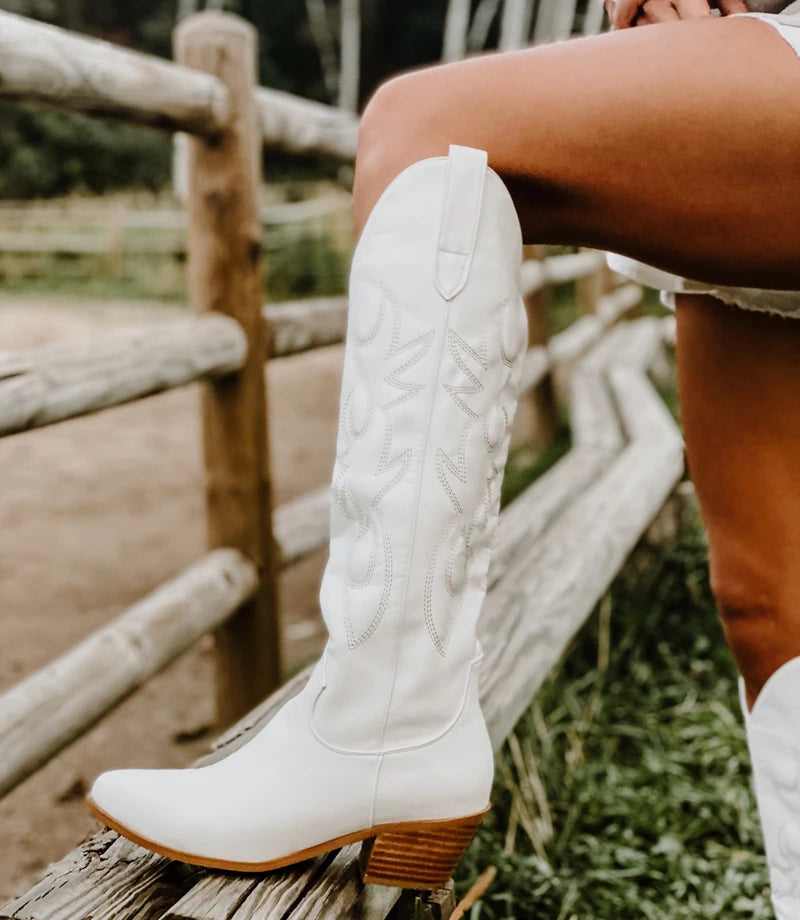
x=45 y=153
x=624 y=792
x=308 y=265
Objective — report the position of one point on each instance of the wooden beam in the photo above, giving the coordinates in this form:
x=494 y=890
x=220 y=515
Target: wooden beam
x=39 y=386
x=224 y=275
x=545 y=597
x=302 y=525
x=537 y=273
x=526 y=518
x=299 y=325
x=47 y=710
x=303 y=126
x=537 y=413
x=42 y=63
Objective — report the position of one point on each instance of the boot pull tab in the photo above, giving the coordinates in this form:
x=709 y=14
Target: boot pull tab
x=461 y=211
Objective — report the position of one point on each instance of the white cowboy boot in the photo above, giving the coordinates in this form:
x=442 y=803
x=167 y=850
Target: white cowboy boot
x=387 y=742
x=773 y=735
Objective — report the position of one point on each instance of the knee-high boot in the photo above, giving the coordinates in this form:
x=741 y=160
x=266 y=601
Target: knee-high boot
x=386 y=742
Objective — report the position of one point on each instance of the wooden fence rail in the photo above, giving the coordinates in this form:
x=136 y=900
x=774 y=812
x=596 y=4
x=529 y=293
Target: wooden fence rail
x=47 y=710
x=39 y=386
x=43 y=63
x=103 y=216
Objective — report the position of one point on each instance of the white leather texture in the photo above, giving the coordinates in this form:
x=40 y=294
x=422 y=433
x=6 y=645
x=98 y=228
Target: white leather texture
x=389 y=728
x=773 y=732
x=428 y=395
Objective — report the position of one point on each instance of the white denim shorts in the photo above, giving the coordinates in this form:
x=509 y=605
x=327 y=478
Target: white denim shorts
x=785 y=303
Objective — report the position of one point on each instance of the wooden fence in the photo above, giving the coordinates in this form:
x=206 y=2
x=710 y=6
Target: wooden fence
x=559 y=544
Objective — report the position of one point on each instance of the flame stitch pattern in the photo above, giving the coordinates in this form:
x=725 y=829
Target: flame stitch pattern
x=369 y=520
x=460 y=539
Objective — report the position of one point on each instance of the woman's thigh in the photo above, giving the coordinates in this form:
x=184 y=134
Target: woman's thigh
x=675 y=144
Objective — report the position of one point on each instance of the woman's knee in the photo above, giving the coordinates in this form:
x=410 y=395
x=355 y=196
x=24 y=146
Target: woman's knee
x=398 y=128
x=759 y=615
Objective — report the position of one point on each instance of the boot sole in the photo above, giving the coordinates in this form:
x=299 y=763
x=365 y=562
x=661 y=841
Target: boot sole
x=407 y=854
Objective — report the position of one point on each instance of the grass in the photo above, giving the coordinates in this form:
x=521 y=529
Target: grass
x=624 y=790
x=307 y=263
x=306 y=259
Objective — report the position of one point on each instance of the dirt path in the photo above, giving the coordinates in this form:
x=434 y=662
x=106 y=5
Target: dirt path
x=95 y=512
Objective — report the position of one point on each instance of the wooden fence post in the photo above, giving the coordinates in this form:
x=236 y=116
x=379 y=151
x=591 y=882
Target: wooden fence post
x=537 y=412
x=224 y=239
x=589 y=290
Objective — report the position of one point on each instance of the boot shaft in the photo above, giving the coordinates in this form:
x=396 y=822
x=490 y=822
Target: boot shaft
x=436 y=339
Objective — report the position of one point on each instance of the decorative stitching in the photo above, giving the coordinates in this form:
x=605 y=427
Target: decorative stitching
x=458 y=468
x=503 y=311
x=370 y=522
x=427 y=602
x=457 y=346
x=491 y=446
x=422 y=343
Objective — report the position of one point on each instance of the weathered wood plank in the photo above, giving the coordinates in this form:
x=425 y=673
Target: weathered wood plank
x=44 y=712
x=546 y=596
x=303 y=126
x=34 y=220
x=341 y=893
x=529 y=515
x=107 y=878
x=264 y=900
x=298 y=325
x=592 y=415
x=302 y=525
x=536 y=367
x=643 y=413
x=537 y=412
x=536 y=274
x=571 y=267
x=224 y=275
x=39 y=386
x=216 y=896
x=569 y=345
x=43 y=63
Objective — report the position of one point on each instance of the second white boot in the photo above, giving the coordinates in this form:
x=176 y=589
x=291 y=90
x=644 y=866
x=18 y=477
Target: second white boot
x=773 y=735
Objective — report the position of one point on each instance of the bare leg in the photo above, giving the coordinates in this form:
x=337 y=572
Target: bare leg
x=691 y=164
x=739 y=382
